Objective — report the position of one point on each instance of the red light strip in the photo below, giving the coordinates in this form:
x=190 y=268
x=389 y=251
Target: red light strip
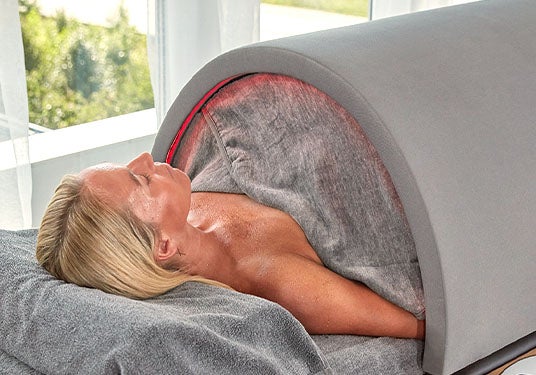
x=197 y=107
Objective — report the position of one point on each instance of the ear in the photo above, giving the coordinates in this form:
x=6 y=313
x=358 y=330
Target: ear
x=164 y=251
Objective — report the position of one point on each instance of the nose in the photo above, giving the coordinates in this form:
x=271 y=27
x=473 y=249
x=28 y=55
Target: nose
x=143 y=162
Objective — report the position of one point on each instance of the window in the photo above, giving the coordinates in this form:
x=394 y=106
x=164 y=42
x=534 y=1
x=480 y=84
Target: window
x=85 y=60
x=86 y=64
x=281 y=18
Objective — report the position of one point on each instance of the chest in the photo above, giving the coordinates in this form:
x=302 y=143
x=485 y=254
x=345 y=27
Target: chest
x=250 y=229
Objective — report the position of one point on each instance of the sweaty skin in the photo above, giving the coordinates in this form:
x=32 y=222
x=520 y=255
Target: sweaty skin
x=253 y=248
x=273 y=259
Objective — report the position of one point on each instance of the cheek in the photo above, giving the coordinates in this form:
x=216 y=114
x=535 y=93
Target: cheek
x=145 y=209
x=176 y=208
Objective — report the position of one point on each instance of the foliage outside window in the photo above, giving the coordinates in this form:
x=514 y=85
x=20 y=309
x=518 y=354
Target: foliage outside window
x=77 y=73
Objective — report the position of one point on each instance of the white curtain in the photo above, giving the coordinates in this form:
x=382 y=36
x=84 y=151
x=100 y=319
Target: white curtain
x=184 y=35
x=15 y=172
x=387 y=8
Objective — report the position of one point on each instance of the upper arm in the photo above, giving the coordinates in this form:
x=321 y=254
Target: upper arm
x=327 y=303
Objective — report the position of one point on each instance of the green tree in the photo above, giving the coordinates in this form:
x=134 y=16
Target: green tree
x=82 y=73
x=78 y=73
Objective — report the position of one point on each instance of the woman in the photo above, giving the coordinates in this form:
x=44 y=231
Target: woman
x=138 y=231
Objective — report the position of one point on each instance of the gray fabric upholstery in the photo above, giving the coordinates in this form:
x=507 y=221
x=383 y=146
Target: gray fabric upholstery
x=447 y=99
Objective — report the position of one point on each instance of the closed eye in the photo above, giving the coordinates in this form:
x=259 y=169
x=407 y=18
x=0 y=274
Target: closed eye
x=147 y=177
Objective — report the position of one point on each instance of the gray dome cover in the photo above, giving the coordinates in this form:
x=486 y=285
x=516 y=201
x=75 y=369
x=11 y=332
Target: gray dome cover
x=448 y=98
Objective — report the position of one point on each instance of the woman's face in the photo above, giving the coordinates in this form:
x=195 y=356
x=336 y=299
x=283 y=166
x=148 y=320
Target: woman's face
x=156 y=192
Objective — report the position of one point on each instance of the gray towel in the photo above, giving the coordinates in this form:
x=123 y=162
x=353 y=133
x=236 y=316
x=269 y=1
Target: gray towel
x=289 y=146
x=58 y=328
x=11 y=366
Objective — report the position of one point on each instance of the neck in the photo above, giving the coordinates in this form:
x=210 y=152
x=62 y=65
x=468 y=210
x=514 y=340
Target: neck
x=206 y=254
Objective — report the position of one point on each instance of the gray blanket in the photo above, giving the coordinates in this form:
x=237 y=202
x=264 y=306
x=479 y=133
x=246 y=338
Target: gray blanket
x=289 y=146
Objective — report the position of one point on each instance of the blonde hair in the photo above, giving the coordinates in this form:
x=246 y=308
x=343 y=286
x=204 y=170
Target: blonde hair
x=85 y=241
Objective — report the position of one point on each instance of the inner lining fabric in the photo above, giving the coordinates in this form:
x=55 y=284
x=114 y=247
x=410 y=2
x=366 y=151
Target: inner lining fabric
x=288 y=145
